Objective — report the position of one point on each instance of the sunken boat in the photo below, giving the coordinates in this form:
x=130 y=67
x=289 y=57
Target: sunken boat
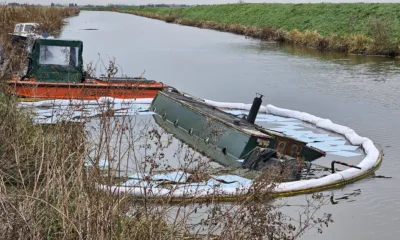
x=224 y=137
x=55 y=71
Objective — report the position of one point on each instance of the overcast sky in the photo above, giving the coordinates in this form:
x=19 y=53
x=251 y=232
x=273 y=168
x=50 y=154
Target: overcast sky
x=138 y=2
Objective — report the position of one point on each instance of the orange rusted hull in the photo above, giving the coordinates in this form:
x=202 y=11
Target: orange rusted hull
x=90 y=89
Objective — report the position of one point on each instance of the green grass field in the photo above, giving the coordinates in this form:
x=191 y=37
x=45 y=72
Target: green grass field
x=325 y=18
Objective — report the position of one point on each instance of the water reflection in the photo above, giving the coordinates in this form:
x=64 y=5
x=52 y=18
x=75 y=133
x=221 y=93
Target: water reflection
x=343 y=58
x=346 y=197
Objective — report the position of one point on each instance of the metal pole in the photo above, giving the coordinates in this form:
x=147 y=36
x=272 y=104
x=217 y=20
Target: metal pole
x=251 y=118
x=341 y=163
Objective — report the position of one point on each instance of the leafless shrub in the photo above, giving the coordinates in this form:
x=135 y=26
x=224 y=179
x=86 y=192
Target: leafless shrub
x=268 y=33
x=382 y=42
x=170 y=19
x=380 y=31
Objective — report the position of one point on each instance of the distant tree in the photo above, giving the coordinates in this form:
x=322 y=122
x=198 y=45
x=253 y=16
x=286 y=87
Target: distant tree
x=52 y=4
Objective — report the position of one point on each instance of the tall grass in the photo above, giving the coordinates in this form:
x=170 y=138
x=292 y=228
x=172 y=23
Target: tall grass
x=347 y=27
x=46 y=192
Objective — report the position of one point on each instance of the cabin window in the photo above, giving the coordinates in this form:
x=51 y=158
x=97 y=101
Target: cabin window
x=294 y=148
x=281 y=147
x=58 y=55
x=28 y=28
x=18 y=28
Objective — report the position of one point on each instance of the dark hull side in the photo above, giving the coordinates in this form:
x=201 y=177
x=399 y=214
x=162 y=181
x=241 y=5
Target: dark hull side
x=291 y=172
x=234 y=143
x=17 y=39
x=213 y=152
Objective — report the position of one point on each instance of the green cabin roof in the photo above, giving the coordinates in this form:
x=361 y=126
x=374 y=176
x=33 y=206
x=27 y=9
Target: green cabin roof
x=56 y=60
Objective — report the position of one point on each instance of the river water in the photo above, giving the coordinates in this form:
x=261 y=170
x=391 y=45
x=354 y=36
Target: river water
x=356 y=91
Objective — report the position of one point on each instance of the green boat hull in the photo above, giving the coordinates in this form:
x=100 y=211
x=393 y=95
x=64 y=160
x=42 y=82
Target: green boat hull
x=198 y=144
x=214 y=133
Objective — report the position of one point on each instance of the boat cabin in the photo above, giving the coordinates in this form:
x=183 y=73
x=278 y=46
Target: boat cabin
x=56 y=60
x=25 y=29
x=55 y=71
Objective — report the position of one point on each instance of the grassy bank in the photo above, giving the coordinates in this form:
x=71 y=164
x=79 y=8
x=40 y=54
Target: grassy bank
x=352 y=28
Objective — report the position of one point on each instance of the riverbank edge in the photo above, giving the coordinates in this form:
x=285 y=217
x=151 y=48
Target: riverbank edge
x=352 y=44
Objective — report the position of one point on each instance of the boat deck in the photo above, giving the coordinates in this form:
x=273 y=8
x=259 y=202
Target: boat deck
x=236 y=122
x=134 y=80
x=336 y=146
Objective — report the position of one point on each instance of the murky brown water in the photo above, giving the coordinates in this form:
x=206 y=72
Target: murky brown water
x=356 y=91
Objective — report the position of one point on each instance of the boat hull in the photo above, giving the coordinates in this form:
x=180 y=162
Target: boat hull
x=198 y=144
x=189 y=113
x=18 y=39
x=93 y=90
x=221 y=142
